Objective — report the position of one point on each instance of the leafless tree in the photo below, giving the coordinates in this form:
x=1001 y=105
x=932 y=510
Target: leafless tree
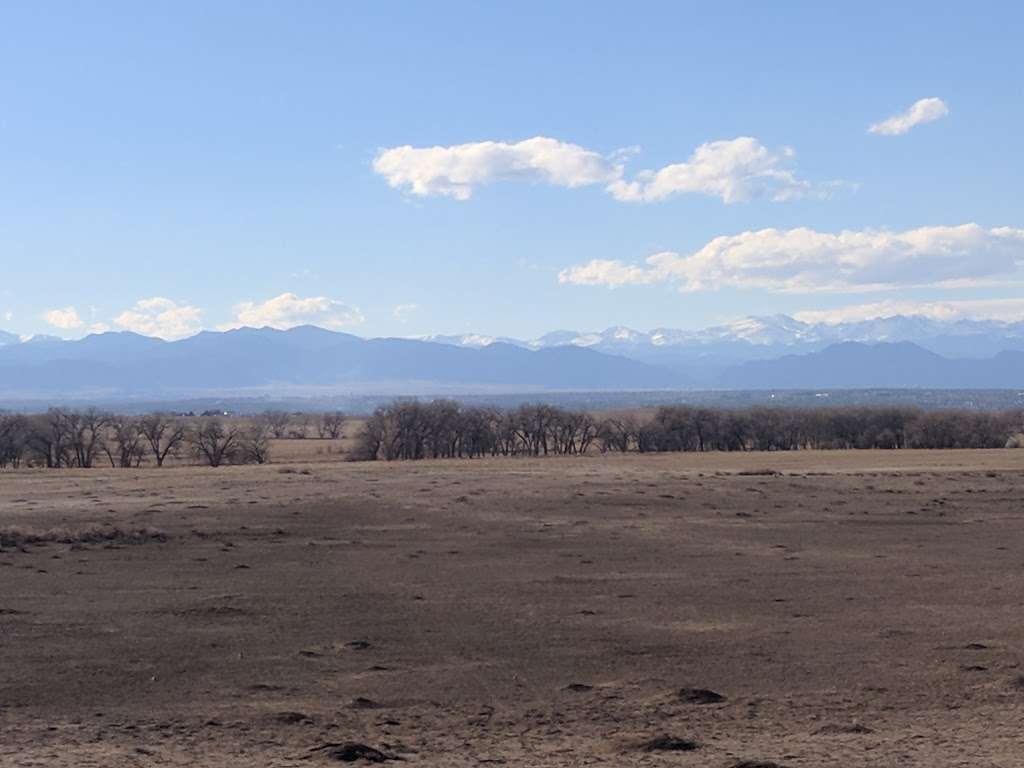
x=299 y=426
x=86 y=430
x=48 y=442
x=254 y=443
x=278 y=421
x=330 y=425
x=125 y=445
x=13 y=439
x=618 y=433
x=163 y=433
x=214 y=442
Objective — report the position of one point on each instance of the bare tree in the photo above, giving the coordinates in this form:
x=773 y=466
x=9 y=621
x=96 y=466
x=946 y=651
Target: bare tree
x=125 y=445
x=254 y=443
x=215 y=443
x=13 y=439
x=330 y=425
x=48 y=441
x=86 y=430
x=278 y=422
x=617 y=433
x=299 y=423
x=163 y=433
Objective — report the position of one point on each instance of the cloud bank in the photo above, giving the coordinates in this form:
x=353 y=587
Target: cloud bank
x=806 y=260
x=733 y=170
x=66 y=319
x=1007 y=310
x=288 y=310
x=161 y=317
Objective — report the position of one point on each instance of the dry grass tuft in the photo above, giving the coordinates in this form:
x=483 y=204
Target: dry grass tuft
x=17 y=538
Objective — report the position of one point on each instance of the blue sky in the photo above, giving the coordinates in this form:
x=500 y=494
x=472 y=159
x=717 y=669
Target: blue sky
x=166 y=167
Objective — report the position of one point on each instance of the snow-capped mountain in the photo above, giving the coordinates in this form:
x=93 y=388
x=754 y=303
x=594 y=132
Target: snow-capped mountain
x=759 y=337
x=10 y=339
x=471 y=340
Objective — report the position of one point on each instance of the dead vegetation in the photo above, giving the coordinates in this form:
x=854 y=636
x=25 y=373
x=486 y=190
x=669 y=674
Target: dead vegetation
x=669 y=744
x=13 y=537
x=532 y=626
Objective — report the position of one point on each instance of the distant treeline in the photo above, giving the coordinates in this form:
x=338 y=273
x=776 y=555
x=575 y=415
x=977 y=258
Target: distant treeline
x=410 y=429
x=444 y=429
x=83 y=438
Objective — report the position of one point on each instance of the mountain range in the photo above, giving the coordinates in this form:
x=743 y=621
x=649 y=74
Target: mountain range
x=265 y=358
x=777 y=352
x=769 y=336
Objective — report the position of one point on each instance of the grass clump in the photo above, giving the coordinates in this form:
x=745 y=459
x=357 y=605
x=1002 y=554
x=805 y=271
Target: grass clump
x=14 y=537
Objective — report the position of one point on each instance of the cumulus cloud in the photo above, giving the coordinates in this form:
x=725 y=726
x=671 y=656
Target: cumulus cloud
x=733 y=170
x=66 y=319
x=454 y=171
x=288 y=310
x=610 y=272
x=160 y=317
x=922 y=111
x=806 y=260
x=989 y=309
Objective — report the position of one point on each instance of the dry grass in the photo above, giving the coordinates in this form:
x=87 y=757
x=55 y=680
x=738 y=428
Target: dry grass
x=801 y=609
x=18 y=537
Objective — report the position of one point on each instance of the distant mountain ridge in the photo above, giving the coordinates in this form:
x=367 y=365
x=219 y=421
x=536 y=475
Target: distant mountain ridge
x=707 y=354
x=754 y=354
x=307 y=357
x=768 y=331
x=852 y=365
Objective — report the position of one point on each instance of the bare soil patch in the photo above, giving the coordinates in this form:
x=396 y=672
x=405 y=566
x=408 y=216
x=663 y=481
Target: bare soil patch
x=848 y=608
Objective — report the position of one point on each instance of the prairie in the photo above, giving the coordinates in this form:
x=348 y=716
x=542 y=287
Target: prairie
x=847 y=608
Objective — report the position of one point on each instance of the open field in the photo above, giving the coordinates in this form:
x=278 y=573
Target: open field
x=854 y=608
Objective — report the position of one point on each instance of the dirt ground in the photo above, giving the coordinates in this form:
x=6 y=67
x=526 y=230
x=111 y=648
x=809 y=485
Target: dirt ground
x=852 y=609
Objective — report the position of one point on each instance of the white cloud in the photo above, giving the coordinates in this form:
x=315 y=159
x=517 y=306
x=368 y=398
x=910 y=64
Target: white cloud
x=66 y=319
x=733 y=170
x=922 y=111
x=160 y=317
x=288 y=310
x=8 y=316
x=454 y=171
x=991 y=309
x=402 y=311
x=806 y=260
x=609 y=272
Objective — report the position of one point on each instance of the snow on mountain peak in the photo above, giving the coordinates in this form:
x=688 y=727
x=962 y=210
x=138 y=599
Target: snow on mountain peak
x=765 y=331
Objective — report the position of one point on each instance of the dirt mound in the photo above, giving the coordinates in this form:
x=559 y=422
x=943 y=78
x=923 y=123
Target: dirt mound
x=669 y=744
x=756 y=764
x=361 y=702
x=832 y=730
x=352 y=751
x=292 y=718
x=579 y=687
x=700 y=696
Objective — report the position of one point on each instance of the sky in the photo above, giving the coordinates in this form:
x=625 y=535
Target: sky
x=507 y=169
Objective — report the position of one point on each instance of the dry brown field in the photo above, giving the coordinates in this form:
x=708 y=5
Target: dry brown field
x=859 y=608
